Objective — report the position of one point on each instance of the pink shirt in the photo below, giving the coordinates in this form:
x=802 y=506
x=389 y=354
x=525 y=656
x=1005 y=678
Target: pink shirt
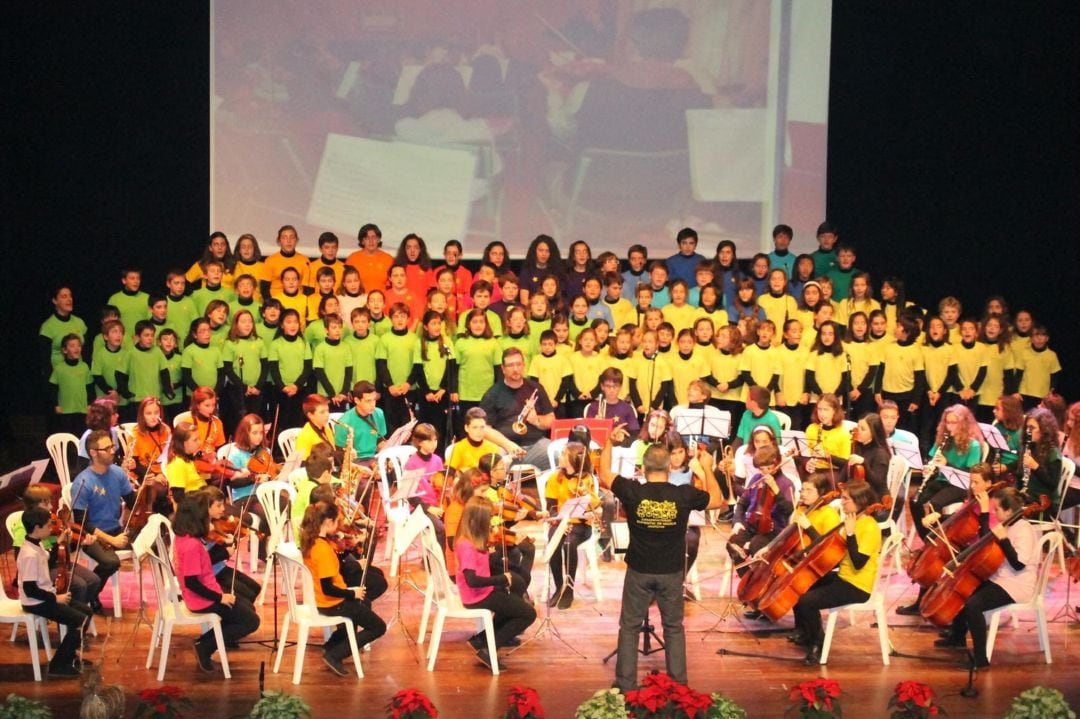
x=192 y=559
x=425 y=491
x=469 y=557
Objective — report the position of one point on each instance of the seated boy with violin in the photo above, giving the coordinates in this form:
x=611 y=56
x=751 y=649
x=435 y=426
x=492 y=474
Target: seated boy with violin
x=38 y=595
x=763 y=509
x=84 y=585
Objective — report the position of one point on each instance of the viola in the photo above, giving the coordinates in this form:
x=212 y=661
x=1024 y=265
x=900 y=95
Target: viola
x=262 y=462
x=783 y=547
x=963 y=575
x=956 y=533
x=761 y=518
x=795 y=578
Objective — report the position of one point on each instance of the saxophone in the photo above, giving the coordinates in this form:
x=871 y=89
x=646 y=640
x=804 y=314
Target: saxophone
x=348 y=471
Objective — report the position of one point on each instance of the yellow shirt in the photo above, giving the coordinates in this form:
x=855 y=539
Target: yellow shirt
x=309 y=437
x=183 y=475
x=549 y=372
x=824 y=518
x=868 y=538
x=862 y=359
x=622 y=313
x=761 y=363
x=848 y=307
x=277 y=263
x=828 y=370
x=1037 y=368
x=649 y=375
x=998 y=362
x=681 y=318
x=623 y=365
x=792 y=364
x=901 y=364
x=725 y=368
x=466 y=455
x=779 y=309
x=937 y=361
x=685 y=371
x=836 y=441
x=296 y=302
x=970 y=360
x=719 y=318
x=587 y=370
x=561 y=488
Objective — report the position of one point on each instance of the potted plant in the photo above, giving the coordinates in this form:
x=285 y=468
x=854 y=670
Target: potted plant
x=17 y=707
x=604 y=704
x=524 y=703
x=914 y=700
x=662 y=696
x=411 y=704
x=164 y=702
x=279 y=705
x=817 y=699
x=724 y=708
x=1040 y=703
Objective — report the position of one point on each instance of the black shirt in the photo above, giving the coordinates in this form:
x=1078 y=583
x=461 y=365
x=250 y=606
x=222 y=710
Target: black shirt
x=657 y=514
x=503 y=405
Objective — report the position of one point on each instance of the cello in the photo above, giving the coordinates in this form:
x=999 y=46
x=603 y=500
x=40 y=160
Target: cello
x=955 y=533
x=795 y=577
x=785 y=545
x=966 y=573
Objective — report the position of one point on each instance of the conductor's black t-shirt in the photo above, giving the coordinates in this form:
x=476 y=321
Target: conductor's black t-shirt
x=657 y=513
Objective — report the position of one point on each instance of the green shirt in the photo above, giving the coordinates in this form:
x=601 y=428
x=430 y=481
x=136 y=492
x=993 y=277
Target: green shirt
x=492 y=317
x=219 y=336
x=144 y=372
x=205 y=295
x=435 y=365
x=253 y=352
x=179 y=316
x=172 y=364
x=290 y=356
x=397 y=350
x=315 y=334
x=363 y=349
x=333 y=358
x=204 y=363
x=367 y=431
x=56 y=328
x=72 y=380
x=106 y=363
x=477 y=358
x=133 y=307
x=237 y=304
x=523 y=343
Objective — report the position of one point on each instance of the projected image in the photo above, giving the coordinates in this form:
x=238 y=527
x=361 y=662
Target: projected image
x=616 y=122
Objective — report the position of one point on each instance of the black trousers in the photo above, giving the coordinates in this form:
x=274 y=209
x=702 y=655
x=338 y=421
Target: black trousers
x=368 y=625
x=353 y=573
x=830 y=591
x=750 y=542
x=75 y=616
x=908 y=420
x=237 y=621
x=577 y=534
x=513 y=615
x=972 y=620
x=938 y=495
x=245 y=586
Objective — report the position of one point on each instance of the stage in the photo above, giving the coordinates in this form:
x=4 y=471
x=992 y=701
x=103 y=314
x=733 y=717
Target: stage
x=461 y=687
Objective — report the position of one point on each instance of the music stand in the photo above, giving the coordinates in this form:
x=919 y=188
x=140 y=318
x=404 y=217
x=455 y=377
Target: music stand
x=401 y=435
x=995 y=439
x=406 y=485
x=909 y=452
x=956 y=477
x=547 y=624
x=705 y=422
x=25 y=476
x=792 y=439
x=599 y=429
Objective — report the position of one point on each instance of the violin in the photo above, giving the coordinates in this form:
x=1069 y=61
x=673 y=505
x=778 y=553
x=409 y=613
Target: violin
x=795 y=578
x=210 y=464
x=348 y=539
x=262 y=462
x=956 y=533
x=784 y=546
x=966 y=573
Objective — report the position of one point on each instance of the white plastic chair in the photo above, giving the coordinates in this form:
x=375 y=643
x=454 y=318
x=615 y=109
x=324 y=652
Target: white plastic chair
x=397 y=513
x=589 y=548
x=286 y=440
x=875 y=604
x=13 y=520
x=58 y=445
x=11 y=612
x=305 y=613
x=445 y=595
x=1068 y=468
x=125 y=435
x=897 y=479
x=277 y=520
x=121 y=554
x=1048 y=547
x=785 y=420
x=172 y=612
x=182 y=417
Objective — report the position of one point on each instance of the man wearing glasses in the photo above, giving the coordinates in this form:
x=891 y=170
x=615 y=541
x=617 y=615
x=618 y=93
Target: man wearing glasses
x=97 y=495
x=519 y=402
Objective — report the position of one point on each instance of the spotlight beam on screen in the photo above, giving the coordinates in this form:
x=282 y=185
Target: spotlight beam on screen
x=617 y=126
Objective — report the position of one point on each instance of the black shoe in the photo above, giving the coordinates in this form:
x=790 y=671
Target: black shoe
x=484 y=658
x=64 y=671
x=335 y=665
x=950 y=643
x=567 y=599
x=798 y=639
x=982 y=664
x=813 y=656
x=754 y=614
x=202 y=657
x=478 y=641
x=513 y=642
x=96 y=607
x=232 y=645
x=911 y=610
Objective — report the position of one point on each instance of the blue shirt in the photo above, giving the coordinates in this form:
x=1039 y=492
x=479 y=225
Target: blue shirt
x=630 y=283
x=661 y=297
x=102 y=496
x=785 y=262
x=684 y=267
x=600 y=311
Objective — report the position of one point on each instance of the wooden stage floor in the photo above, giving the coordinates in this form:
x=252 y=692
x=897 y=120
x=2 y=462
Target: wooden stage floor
x=461 y=687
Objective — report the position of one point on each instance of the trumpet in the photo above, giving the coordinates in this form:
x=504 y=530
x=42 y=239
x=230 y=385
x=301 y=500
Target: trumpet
x=519 y=425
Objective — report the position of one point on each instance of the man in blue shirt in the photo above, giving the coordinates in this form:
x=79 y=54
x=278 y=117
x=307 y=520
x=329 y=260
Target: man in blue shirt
x=97 y=496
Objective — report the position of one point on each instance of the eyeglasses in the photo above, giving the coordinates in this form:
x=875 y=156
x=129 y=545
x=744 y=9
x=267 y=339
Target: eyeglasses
x=110 y=448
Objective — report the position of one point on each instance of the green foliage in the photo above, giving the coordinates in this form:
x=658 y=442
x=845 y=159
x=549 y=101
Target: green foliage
x=1040 y=703
x=279 y=705
x=17 y=707
x=604 y=704
x=724 y=708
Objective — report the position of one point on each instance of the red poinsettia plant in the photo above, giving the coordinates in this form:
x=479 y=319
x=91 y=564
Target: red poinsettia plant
x=817 y=699
x=660 y=696
x=411 y=704
x=914 y=700
x=524 y=703
x=164 y=702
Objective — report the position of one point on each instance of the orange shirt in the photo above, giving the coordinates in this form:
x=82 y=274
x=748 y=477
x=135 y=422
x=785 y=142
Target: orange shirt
x=374 y=269
x=323 y=562
x=149 y=446
x=276 y=263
